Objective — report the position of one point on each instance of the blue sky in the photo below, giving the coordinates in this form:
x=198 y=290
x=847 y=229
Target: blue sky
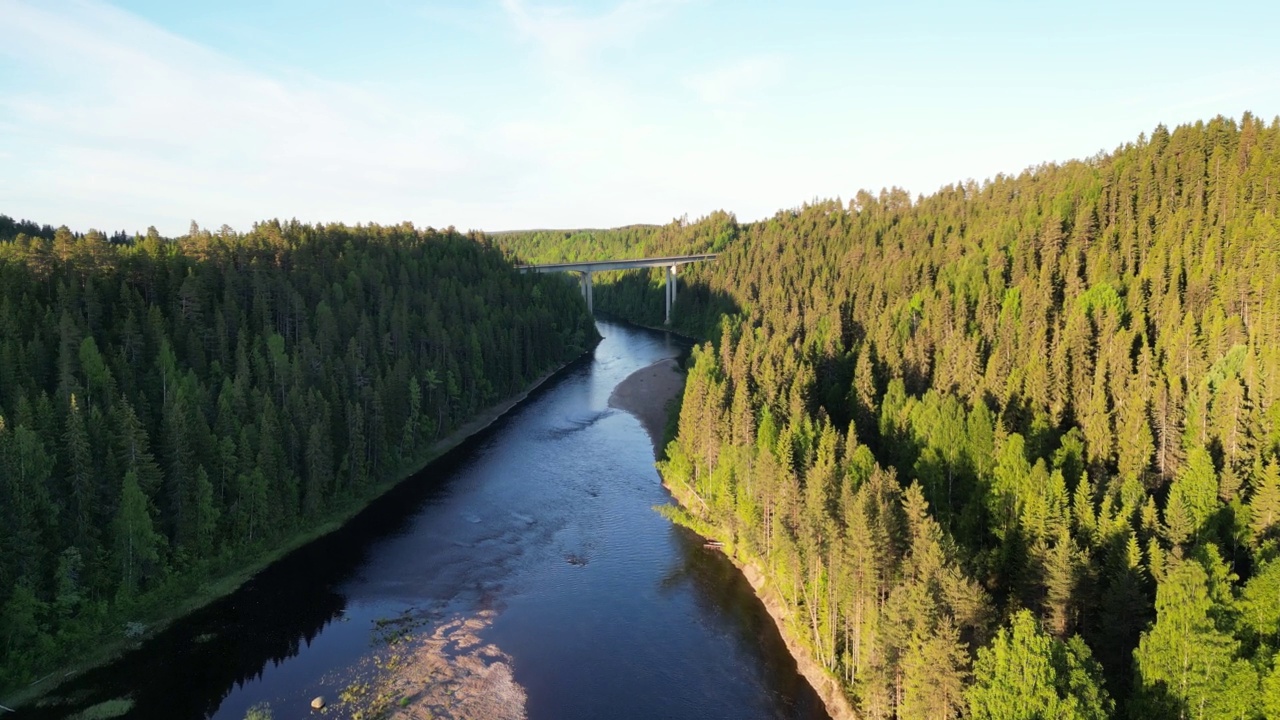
x=504 y=114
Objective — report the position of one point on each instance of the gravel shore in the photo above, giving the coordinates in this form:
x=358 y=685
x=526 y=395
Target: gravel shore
x=646 y=393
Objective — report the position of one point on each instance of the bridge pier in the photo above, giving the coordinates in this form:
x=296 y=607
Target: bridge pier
x=670 y=266
x=670 y=290
x=586 y=290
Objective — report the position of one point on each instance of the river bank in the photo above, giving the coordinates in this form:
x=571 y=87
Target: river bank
x=451 y=673
x=44 y=691
x=827 y=687
x=647 y=394
x=523 y=573
x=823 y=683
x=448 y=666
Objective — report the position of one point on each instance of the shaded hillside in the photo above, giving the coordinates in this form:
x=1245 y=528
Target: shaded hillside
x=171 y=411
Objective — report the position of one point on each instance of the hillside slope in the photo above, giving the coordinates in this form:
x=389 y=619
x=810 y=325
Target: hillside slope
x=171 y=412
x=1012 y=447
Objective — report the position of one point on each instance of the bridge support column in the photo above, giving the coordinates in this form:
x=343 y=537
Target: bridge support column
x=671 y=290
x=586 y=290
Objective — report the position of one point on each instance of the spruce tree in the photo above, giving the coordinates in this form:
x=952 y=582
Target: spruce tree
x=137 y=544
x=1187 y=665
x=1025 y=674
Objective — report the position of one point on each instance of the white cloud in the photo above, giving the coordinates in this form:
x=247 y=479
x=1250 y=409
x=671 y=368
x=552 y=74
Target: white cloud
x=119 y=124
x=120 y=113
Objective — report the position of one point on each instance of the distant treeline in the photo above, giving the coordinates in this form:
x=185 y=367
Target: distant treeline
x=1009 y=450
x=634 y=295
x=172 y=410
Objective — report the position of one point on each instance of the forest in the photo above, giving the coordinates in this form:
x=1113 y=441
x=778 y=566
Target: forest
x=174 y=411
x=1009 y=450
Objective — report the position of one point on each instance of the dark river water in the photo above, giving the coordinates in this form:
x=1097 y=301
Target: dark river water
x=543 y=528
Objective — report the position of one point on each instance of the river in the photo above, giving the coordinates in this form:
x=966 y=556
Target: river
x=532 y=548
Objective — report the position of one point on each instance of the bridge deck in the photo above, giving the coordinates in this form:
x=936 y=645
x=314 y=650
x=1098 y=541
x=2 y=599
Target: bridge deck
x=589 y=268
x=602 y=265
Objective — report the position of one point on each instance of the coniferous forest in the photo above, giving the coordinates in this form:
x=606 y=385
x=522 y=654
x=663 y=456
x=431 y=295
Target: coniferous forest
x=172 y=412
x=1010 y=450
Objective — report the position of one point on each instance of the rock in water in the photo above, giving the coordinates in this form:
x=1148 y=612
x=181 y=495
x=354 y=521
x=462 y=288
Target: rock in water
x=318 y=703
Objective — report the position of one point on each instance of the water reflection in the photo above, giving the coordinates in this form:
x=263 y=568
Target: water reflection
x=542 y=526
x=722 y=593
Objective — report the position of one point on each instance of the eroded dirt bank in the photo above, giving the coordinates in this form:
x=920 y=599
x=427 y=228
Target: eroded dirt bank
x=647 y=394
x=827 y=687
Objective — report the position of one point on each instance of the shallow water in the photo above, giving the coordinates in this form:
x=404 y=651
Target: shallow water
x=541 y=532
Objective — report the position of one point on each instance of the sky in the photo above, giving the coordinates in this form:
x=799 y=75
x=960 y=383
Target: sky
x=517 y=114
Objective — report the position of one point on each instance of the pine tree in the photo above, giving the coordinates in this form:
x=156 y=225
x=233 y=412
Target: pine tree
x=1259 y=609
x=1264 y=503
x=1187 y=665
x=81 y=530
x=137 y=544
x=22 y=634
x=1134 y=441
x=1270 y=700
x=934 y=670
x=1195 y=491
x=1060 y=578
x=413 y=422
x=1179 y=524
x=205 y=514
x=134 y=449
x=319 y=470
x=28 y=510
x=1025 y=675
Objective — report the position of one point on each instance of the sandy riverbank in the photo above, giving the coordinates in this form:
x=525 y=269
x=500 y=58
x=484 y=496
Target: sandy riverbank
x=647 y=393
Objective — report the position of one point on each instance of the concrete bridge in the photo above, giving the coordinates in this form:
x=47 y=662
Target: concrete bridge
x=585 y=269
